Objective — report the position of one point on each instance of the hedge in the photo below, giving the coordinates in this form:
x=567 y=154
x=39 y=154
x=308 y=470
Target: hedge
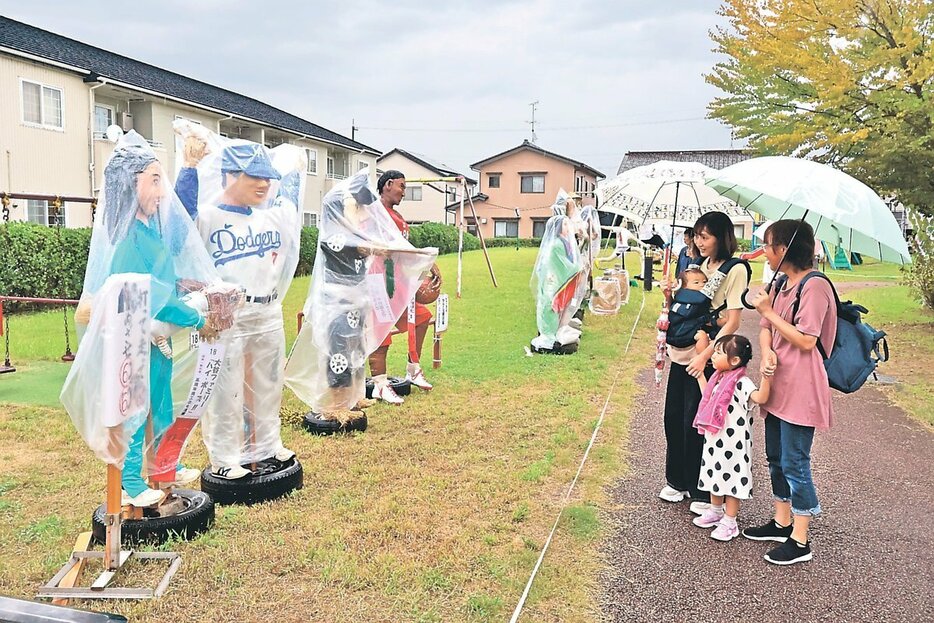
x=45 y=262
x=48 y=262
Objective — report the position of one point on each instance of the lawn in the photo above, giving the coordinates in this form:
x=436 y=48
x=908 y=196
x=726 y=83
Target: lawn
x=436 y=513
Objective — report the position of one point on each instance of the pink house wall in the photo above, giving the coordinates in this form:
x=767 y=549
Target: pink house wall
x=504 y=200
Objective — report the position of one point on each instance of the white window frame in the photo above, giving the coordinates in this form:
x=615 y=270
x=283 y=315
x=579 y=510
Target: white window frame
x=362 y=164
x=313 y=218
x=113 y=118
x=42 y=124
x=410 y=193
x=532 y=176
x=505 y=222
x=45 y=212
x=311 y=168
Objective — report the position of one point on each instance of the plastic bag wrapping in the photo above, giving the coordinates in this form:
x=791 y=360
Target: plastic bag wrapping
x=559 y=207
x=106 y=392
x=364 y=277
x=246 y=201
x=588 y=229
x=554 y=278
x=141 y=229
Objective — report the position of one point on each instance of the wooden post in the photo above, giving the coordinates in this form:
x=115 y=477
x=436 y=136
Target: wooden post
x=112 y=518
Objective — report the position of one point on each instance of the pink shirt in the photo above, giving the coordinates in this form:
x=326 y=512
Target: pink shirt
x=800 y=390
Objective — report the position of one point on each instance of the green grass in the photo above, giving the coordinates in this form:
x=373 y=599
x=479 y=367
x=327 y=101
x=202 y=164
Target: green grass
x=910 y=329
x=436 y=513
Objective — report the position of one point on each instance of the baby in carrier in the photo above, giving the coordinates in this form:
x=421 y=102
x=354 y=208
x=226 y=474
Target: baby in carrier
x=689 y=315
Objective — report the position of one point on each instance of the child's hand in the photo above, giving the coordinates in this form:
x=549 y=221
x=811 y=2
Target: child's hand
x=697 y=365
x=769 y=363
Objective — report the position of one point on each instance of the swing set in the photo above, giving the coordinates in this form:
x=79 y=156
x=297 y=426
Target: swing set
x=56 y=204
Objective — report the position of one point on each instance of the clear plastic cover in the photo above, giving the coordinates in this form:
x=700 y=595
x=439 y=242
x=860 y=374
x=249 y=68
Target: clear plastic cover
x=147 y=276
x=365 y=275
x=246 y=202
x=554 y=281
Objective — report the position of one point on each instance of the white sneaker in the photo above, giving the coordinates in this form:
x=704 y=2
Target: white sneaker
x=385 y=392
x=186 y=476
x=230 y=473
x=575 y=323
x=148 y=497
x=283 y=454
x=416 y=377
x=699 y=508
x=670 y=494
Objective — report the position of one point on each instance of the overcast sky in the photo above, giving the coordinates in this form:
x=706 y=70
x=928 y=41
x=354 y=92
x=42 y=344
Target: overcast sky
x=452 y=80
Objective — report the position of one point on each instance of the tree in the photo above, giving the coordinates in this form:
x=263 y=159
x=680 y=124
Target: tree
x=846 y=82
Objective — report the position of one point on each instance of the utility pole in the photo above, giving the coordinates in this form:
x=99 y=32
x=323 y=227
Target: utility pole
x=353 y=129
x=532 y=122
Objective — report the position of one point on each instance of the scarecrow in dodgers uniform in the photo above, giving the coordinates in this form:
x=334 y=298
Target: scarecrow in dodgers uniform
x=246 y=202
x=142 y=229
x=391 y=188
x=365 y=274
x=554 y=280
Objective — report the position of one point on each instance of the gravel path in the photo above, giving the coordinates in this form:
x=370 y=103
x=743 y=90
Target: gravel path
x=873 y=546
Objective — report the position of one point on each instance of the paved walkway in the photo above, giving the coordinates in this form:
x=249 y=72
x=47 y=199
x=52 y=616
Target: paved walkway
x=873 y=546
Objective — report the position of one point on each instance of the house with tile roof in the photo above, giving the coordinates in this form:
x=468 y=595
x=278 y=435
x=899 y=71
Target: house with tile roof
x=59 y=95
x=518 y=186
x=424 y=202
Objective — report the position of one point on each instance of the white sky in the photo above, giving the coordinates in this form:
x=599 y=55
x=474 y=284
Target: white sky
x=451 y=80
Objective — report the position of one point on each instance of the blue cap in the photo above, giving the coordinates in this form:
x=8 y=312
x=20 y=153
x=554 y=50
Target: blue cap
x=249 y=158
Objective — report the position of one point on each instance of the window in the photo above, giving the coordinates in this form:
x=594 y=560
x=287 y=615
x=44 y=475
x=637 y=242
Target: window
x=38 y=212
x=538 y=228
x=579 y=184
x=506 y=228
x=330 y=166
x=103 y=118
x=493 y=180
x=413 y=193
x=312 y=167
x=309 y=219
x=738 y=230
x=533 y=183
x=471 y=226
x=362 y=164
x=42 y=105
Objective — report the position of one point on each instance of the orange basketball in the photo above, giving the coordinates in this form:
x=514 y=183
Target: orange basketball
x=430 y=289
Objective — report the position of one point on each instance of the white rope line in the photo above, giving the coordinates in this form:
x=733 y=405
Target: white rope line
x=567 y=496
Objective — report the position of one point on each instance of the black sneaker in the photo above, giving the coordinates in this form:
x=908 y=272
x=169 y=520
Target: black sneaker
x=769 y=532
x=789 y=552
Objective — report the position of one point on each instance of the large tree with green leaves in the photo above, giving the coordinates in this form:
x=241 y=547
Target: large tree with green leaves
x=848 y=82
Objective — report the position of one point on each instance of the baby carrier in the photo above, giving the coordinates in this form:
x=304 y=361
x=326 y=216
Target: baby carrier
x=690 y=309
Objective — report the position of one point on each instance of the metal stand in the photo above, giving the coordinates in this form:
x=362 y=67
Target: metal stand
x=113 y=557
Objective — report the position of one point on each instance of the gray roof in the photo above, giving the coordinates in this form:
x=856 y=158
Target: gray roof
x=533 y=147
x=713 y=158
x=433 y=165
x=54 y=47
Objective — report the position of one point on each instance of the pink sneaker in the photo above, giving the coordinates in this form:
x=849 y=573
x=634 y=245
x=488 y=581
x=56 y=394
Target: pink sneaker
x=709 y=519
x=725 y=531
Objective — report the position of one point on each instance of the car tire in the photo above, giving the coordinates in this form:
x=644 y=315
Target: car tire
x=270 y=479
x=196 y=517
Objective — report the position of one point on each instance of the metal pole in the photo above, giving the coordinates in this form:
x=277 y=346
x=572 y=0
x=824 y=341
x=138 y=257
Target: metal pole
x=460 y=240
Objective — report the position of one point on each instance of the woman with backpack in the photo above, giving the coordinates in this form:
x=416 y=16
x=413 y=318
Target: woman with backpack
x=793 y=320
x=726 y=280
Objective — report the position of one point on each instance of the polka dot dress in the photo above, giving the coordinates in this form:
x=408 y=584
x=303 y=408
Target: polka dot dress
x=725 y=466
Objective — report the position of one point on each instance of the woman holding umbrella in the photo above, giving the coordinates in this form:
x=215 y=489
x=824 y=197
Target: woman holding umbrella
x=716 y=242
x=800 y=401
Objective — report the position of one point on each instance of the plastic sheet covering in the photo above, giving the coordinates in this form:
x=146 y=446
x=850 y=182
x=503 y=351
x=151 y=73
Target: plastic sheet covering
x=560 y=206
x=246 y=201
x=554 y=279
x=365 y=275
x=588 y=231
x=143 y=245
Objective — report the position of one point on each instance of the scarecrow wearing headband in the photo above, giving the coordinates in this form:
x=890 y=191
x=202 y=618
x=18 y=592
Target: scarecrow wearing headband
x=391 y=189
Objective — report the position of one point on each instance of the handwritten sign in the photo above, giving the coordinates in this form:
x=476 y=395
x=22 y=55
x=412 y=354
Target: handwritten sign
x=125 y=300
x=207 y=371
x=376 y=288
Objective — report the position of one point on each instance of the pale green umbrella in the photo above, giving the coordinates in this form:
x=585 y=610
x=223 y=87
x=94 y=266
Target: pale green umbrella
x=836 y=205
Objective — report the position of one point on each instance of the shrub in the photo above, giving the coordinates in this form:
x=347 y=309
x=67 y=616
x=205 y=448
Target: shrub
x=919 y=275
x=45 y=262
x=306 y=253
x=512 y=242
x=442 y=236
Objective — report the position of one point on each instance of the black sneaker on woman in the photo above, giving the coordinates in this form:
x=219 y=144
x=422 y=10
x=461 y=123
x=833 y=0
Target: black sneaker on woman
x=769 y=532
x=789 y=552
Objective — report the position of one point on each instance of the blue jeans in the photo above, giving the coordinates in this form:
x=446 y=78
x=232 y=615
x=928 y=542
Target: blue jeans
x=788 y=449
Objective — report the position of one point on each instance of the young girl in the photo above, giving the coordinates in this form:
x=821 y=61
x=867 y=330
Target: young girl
x=725 y=421
x=801 y=401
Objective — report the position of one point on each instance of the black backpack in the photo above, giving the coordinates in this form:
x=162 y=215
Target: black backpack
x=856 y=350
x=692 y=312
